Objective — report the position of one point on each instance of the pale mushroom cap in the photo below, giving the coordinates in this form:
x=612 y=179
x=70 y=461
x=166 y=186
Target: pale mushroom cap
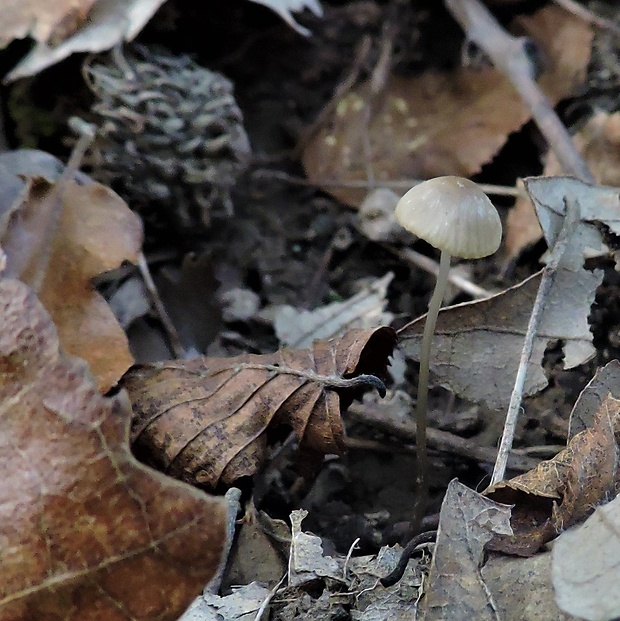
x=452 y=214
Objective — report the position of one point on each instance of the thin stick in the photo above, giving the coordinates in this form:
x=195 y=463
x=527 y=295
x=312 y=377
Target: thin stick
x=171 y=332
x=571 y=220
x=397 y=184
x=508 y=54
x=443 y=441
x=454 y=278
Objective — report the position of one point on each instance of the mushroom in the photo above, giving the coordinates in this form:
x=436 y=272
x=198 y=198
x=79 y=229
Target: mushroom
x=455 y=216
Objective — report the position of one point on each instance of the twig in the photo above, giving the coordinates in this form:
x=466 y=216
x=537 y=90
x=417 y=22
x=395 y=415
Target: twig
x=401 y=184
x=588 y=16
x=171 y=332
x=261 y=611
x=571 y=220
x=509 y=55
x=432 y=267
x=437 y=439
x=232 y=497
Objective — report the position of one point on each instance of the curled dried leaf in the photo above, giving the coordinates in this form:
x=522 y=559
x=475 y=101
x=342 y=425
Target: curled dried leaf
x=208 y=420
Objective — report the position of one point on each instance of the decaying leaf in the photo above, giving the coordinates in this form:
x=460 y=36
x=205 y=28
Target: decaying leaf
x=57 y=242
x=207 y=420
x=467 y=522
x=586 y=566
x=563 y=490
x=62 y=29
x=87 y=532
x=308 y=561
x=442 y=123
x=605 y=382
x=43 y=21
x=300 y=328
x=478 y=345
x=521 y=588
x=598 y=142
x=241 y=605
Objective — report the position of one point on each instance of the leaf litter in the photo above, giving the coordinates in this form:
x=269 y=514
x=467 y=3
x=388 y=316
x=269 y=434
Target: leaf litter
x=207 y=421
x=57 y=239
x=81 y=520
x=330 y=601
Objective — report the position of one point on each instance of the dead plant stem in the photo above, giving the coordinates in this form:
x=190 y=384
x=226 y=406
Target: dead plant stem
x=571 y=219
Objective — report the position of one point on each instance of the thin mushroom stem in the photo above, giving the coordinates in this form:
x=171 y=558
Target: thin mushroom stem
x=423 y=378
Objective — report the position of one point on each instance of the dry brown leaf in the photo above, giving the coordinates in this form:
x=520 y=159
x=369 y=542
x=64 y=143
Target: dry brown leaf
x=605 y=382
x=599 y=143
x=561 y=491
x=41 y=20
x=522 y=228
x=467 y=522
x=87 y=532
x=66 y=27
x=95 y=233
x=207 y=420
x=442 y=123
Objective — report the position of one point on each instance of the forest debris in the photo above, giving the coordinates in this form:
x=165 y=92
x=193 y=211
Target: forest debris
x=376 y=220
x=285 y=8
x=240 y=605
x=189 y=296
x=43 y=21
x=308 y=561
x=206 y=420
x=599 y=143
x=106 y=24
x=260 y=550
x=522 y=228
x=300 y=328
x=478 y=344
x=605 y=382
x=468 y=521
x=87 y=531
x=561 y=491
x=586 y=567
x=95 y=233
x=521 y=588
x=442 y=123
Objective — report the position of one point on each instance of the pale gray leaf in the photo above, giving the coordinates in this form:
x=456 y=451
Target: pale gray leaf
x=300 y=328
x=586 y=566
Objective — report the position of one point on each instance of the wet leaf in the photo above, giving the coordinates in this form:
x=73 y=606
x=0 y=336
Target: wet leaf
x=87 y=532
x=478 y=345
x=562 y=491
x=208 y=420
x=442 y=123
x=586 y=566
x=57 y=241
x=467 y=522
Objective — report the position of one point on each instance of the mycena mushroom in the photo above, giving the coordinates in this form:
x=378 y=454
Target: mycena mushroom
x=455 y=216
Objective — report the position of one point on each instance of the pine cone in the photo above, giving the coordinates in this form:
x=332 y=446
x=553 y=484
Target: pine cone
x=171 y=134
